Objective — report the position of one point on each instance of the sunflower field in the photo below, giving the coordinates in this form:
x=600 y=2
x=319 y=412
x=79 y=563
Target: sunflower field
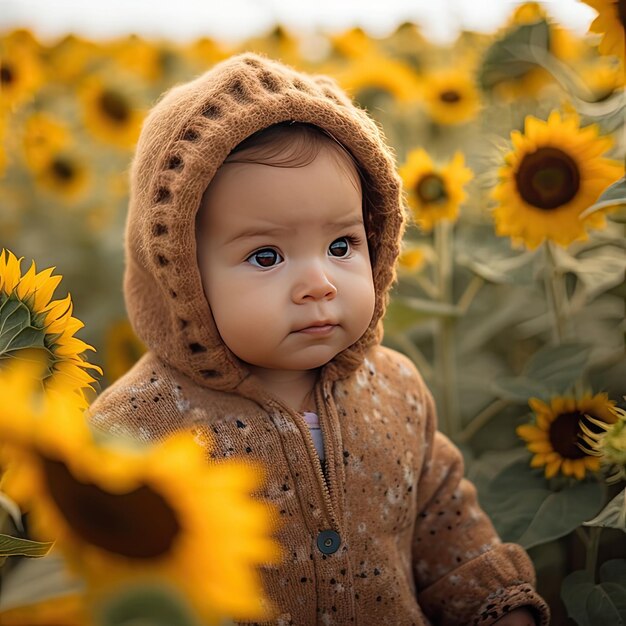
x=510 y=301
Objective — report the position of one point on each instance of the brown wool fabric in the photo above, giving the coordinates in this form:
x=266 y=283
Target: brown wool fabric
x=411 y=545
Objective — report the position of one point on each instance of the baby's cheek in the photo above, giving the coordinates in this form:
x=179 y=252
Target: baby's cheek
x=363 y=302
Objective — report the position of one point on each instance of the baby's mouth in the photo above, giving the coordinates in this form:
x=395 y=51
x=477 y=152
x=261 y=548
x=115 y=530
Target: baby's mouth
x=318 y=330
x=318 y=327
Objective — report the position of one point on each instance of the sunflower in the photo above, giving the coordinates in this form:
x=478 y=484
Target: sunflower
x=568 y=47
x=137 y=55
x=414 y=257
x=375 y=72
x=611 y=23
x=30 y=319
x=353 y=43
x=608 y=441
x=451 y=96
x=43 y=137
x=602 y=77
x=123 y=349
x=278 y=43
x=109 y=113
x=529 y=83
x=65 y=175
x=553 y=174
x=21 y=73
x=527 y=13
x=557 y=434
x=120 y=514
x=409 y=44
x=204 y=51
x=434 y=193
x=70 y=58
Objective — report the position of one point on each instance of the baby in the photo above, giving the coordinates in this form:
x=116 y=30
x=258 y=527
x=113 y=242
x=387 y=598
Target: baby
x=264 y=224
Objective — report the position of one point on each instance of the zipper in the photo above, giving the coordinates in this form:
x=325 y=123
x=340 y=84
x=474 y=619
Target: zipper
x=317 y=464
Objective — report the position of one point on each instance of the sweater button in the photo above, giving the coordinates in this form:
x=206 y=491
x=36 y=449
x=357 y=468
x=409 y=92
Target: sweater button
x=328 y=541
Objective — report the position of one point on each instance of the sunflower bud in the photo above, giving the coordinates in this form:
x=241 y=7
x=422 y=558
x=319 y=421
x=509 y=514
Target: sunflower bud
x=609 y=444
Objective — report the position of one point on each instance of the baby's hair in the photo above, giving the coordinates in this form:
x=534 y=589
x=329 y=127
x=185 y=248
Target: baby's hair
x=296 y=144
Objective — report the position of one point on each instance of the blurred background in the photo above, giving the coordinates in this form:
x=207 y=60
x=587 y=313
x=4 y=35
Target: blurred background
x=500 y=299
x=188 y=19
x=78 y=78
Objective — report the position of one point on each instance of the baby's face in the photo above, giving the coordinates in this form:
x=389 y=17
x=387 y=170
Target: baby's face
x=282 y=251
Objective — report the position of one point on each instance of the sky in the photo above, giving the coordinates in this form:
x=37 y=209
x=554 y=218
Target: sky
x=230 y=20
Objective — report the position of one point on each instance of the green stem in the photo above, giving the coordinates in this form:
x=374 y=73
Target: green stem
x=470 y=293
x=445 y=340
x=582 y=535
x=427 y=286
x=555 y=293
x=591 y=560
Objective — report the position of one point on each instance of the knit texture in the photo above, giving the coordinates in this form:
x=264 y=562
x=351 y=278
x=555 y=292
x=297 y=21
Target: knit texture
x=184 y=140
x=411 y=545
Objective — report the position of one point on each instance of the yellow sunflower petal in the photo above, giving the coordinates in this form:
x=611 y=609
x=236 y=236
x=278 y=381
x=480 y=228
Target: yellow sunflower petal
x=553 y=174
x=552 y=467
x=531 y=433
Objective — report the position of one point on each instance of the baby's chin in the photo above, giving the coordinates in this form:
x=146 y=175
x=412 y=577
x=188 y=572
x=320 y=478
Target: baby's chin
x=315 y=359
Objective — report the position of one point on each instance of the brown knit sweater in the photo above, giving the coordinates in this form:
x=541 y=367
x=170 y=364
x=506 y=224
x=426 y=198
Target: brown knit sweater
x=393 y=534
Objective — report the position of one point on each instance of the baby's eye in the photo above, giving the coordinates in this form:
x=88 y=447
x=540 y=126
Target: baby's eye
x=341 y=247
x=266 y=257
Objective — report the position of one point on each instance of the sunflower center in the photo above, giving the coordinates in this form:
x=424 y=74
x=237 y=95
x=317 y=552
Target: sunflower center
x=450 y=96
x=63 y=170
x=114 y=106
x=547 y=178
x=137 y=525
x=565 y=434
x=431 y=188
x=6 y=75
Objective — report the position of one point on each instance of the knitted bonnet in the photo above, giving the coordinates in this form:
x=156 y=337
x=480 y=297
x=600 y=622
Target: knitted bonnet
x=184 y=140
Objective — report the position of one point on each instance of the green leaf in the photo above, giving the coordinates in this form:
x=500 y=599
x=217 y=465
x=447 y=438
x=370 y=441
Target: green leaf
x=614 y=571
x=606 y=604
x=525 y=511
x=551 y=370
x=428 y=308
x=561 y=512
x=399 y=318
x=507 y=58
x=589 y=604
x=16 y=330
x=558 y=367
x=507 y=270
x=613 y=515
x=492 y=258
x=519 y=389
x=35 y=580
x=613 y=197
x=575 y=590
x=148 y=605
x=14 y=546
x=598 y=270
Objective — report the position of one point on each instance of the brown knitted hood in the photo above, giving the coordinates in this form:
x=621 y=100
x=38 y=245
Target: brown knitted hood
x=184 y=140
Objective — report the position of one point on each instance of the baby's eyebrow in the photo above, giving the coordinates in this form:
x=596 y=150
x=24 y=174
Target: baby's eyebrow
x=278 y=230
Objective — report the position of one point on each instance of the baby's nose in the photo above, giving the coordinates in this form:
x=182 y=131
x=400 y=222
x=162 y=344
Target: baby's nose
x=313 y=283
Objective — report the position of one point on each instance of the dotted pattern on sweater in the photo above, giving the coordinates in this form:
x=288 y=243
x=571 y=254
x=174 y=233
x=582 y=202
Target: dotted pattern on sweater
x=411 y=526
x=185 y=139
